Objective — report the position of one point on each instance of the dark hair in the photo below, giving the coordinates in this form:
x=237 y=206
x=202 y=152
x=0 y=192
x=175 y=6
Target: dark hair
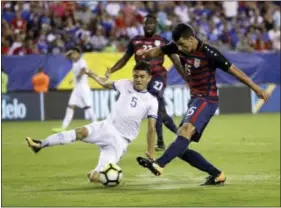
x=77 y=49
x=150 y=16
x=182 y=30
x=143 y=66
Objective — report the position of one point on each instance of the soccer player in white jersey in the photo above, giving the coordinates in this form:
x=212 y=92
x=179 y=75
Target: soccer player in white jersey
x=121 y=127
x=81 y=94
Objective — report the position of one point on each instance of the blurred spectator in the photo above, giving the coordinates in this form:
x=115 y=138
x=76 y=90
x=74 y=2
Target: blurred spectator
x=99 y=41
x=274 y=36
x=40 y=81
x=276 y=16
x=113 y=8
x=182 y=11
x=230 y=9
x=57 y=26
x=18 y=23
x=83 y=14
x=58 y=9
x=4 y=81
x=18 y=43
x=4 y=46
x=243 y=44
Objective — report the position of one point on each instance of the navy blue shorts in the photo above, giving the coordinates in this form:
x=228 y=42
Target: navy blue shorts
x=199 y=113
x=156 y=87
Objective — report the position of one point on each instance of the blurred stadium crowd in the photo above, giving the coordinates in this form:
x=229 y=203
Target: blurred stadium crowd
x=54 y=27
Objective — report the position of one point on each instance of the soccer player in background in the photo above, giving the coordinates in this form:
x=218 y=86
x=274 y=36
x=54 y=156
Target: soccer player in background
x=121 y=127
x=159 y=73
x=81 y=93
x=201 y=61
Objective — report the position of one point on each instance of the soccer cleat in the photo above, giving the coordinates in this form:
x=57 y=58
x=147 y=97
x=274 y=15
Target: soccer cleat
x=35 y=145
x=160 y=148
x=150 y=165
x=57 y=130
x=215 y=180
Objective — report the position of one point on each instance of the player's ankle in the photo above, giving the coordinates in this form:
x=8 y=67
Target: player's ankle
x=93 y=176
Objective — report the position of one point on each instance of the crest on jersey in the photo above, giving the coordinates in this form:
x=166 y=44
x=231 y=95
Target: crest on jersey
x=196 y=63
x=157 y=43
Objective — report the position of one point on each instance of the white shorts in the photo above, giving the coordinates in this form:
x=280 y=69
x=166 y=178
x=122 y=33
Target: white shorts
x=81 y=96
x=112 y=145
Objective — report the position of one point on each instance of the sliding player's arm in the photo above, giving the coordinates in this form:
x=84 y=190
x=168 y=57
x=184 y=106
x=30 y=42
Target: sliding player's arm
x=103 y=81
x=151 y=134
x=222 y=63
x=122 y=61
x=151 y=131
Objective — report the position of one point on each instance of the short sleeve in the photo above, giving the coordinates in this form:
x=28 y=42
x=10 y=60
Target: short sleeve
x=130 y=48
x=121 y=85
x=218 y=59
x=170 y=48
x=153 y=110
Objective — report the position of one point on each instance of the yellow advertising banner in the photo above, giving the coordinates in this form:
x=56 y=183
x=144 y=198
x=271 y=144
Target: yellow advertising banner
x=98 y=62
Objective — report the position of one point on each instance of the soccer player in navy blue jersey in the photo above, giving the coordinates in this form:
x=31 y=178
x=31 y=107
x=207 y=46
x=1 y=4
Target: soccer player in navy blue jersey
x=159 y=73
x=200 y=63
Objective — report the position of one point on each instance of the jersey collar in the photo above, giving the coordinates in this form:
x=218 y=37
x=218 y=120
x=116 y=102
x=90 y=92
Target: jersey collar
x=144 y=91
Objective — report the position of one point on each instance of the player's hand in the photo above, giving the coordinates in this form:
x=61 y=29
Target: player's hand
x=90 y=73
x=141 y=52
x=150 y=156
x=108 y=73
x=263 y=94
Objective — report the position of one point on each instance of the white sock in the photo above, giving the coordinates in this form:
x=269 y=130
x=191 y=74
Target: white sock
x=64 y=137
x=68 y=117
x=90 y=114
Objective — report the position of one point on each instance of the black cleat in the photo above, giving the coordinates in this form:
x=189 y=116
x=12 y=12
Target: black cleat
x=214 y=180
x=160 y=147
x=35 y=145
x=150 y=165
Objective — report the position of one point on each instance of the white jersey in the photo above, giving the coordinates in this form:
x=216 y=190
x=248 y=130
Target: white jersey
x=77 y=68
x=131 y=108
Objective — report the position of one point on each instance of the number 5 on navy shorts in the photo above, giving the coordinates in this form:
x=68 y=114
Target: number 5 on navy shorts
x=199 y=113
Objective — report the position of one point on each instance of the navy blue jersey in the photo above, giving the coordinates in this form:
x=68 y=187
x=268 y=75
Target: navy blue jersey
x=200 y=68
x=142 y=42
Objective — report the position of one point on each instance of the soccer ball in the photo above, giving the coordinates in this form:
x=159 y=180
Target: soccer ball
x=111 y=175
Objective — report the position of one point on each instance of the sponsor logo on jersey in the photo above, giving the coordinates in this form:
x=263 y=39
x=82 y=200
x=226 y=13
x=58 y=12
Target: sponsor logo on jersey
x=157 y=43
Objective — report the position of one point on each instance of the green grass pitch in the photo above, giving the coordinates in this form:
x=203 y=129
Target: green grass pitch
x=246 y=147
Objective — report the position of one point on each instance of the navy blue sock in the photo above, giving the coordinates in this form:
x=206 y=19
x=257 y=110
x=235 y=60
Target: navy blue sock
x=169 y=123
x=159 y=130
x=196 y=160
x=175 y=149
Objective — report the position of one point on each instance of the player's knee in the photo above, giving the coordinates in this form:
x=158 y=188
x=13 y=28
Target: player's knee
x=81 y=133
x=187 y=130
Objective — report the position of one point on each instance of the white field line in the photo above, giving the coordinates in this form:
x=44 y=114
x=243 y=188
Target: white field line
x=183 y=180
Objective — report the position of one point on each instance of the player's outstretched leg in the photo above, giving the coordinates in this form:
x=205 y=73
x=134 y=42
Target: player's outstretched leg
x=64 y=137
x=195 y=159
